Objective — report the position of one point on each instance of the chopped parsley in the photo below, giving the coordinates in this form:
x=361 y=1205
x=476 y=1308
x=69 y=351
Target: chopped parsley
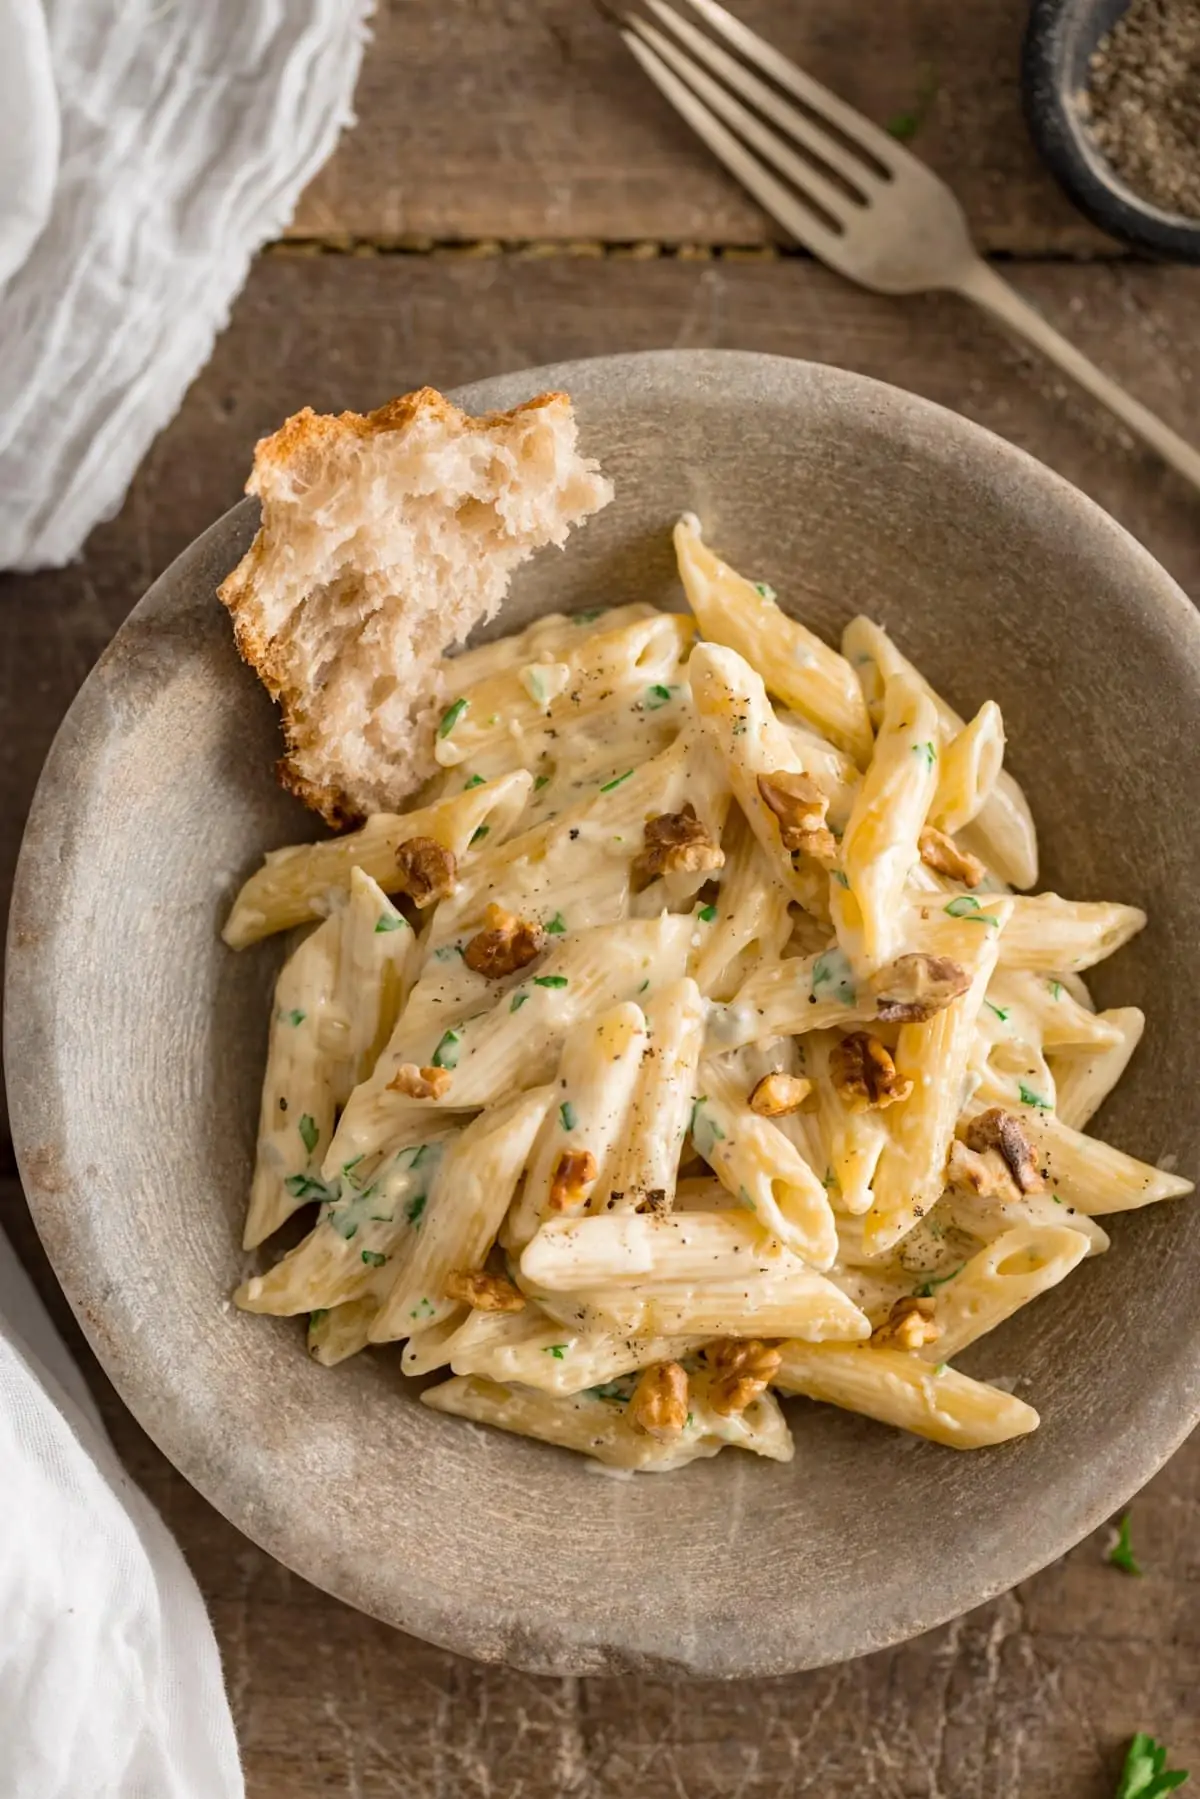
x=1145 y=1774
x=1121 y=1554
x=540 y=782
x=550 y=980
x=1055 y=989
x=643 y=986
x=764 y=590
x=837 y=875
x=294 y=1017
x=833 y=970
x=657 y=696
x=314 y=1318
x=589 y=617
x=830 y=1179
x=412 y=1156
x=388 y=921
x=615 y=1391
x=479 y=833
x=616 y=781
x=415 y=1207
x=1000 y=1011
x=557 y=925
x=517 y=1001
x=688 y=1421
x=967 y=906
x=349 y=1167
x=446 y=1053
x=927 y=750
x=307 y=1186
x=448 y=952
x=707 y=914
x=422 y=1309
x=567 y=1115
x=1030 y=1098
x=941 y=1368
x=904 y=126
x=475 y=781
x=373 y=1258
x=557 y=1350
x=704 y=1129
x=310 y=1136
x=451 y=716
x=925 y=1290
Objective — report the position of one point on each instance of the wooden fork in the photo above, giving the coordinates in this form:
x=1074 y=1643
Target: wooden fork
x=846 y=190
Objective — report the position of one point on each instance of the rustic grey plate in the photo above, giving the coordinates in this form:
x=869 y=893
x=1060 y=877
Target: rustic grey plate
x=135 y=1046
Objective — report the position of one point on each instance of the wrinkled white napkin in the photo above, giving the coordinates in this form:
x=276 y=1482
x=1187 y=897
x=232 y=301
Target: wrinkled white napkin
x=147 y=149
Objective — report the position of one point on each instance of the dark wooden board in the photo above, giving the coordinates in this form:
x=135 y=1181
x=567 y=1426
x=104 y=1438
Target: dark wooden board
x=1028 y=1698
x=502 y=119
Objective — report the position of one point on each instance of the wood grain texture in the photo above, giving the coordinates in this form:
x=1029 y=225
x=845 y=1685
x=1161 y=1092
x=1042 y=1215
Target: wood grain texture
x=498 y=119
x=1030 y=1697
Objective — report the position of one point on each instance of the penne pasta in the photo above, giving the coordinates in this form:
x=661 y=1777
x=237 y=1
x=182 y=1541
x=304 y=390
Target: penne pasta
x=646 y=1168
x=896 y=1388
x=1084 y=1079
x=1057 y=936
x=1012 y=1269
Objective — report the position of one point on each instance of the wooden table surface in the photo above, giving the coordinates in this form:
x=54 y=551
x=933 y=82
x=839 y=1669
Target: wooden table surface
x=514 y=193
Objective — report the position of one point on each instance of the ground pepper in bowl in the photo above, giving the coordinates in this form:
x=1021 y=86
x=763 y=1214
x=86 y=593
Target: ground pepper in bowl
x=1142 y=102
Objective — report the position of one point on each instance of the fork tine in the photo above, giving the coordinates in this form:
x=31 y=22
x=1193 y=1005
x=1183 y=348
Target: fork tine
x=808 y=180
x=873 y=142
x=771 y=194
x=797 y=125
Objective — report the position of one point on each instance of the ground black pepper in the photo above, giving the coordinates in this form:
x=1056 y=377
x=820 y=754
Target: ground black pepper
x=1142 y=102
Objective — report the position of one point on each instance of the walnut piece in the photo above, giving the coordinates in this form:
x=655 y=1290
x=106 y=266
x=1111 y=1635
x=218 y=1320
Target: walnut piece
x=909 y=1325
x=486 y=1292
x=742 y=1368
x=505 y=944
x=984 y=1175
x=1000 y=1130
x=660 y=1400
x=676 y=843
x=574 y=1171
x=777 y=1094
x=420 y=1083
x=914 y=987
x=800 y=807
x=427 y=871
x=864 y=1074
x=942 y=854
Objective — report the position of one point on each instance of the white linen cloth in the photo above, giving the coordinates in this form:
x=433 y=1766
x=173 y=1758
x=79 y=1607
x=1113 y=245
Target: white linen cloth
x=147 y=149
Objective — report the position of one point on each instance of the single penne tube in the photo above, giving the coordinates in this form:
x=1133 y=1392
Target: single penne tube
x=519 y=1039
x=1003 y=832
x=646 y=1167
x=879 y=845
x=431 y=1348
x=969 y=766
x=1093 y=1176
x=997 y=1281
x=617 y=1249
x=900 y=1389
x=933 y=1057
x=1085 y=1078
x=736 y=717
x=761 y=1165
x=469 y=1196
x=1041 y=1008
x=548 y=638
x=852 y=1141
x=986 y=1218
x=515 y=708
x=602 y=1428
x=788 y=998
x=580 y=1138
x=798 y=1303
x=376 y=948
x=365 y=1231
x=797 y=666
x=1053 y=935
x=337 y=1332
x=296 y=1113
x=557 y=1361
x=294 y=885
x=751 y=922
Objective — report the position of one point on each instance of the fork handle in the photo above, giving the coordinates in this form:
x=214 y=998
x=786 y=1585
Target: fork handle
x=981 y=284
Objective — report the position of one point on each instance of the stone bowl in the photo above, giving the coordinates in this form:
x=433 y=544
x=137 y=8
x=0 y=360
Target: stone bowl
x=136 y=1043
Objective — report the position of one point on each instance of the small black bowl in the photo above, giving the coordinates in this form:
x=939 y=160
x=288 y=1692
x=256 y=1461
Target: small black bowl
x=1059 y=39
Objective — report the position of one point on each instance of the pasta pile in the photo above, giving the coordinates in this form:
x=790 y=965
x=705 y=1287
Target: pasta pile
x=702 y=1052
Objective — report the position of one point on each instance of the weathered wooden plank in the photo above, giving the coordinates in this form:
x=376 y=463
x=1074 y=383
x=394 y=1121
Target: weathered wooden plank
x=1032 y=1695
x=337 y=331
x=490 y=119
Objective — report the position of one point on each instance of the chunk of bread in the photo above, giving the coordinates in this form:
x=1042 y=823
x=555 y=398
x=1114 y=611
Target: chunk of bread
x=384 y=540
